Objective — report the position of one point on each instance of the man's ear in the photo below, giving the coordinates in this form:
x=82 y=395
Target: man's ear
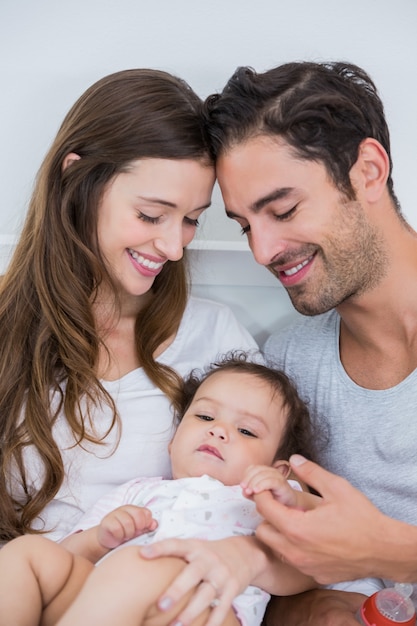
x=70 y=158
x=283 y=467
x=371 y=170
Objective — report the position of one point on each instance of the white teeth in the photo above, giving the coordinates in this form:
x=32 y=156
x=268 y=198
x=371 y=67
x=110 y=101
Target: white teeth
x=145 y=262
x=297 y=268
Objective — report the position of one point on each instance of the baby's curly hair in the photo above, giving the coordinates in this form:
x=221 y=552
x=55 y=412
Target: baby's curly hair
x=298 y=436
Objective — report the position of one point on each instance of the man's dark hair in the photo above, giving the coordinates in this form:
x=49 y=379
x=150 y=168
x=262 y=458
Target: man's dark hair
x=322 y=110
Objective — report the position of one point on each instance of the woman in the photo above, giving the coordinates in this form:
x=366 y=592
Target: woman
x=96 y=324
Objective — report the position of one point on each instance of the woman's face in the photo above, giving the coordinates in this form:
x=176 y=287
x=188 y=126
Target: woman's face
x=147 y=216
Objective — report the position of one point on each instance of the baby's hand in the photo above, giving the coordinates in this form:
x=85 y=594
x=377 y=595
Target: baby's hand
x=265 y=478
x=259 y=478
x=124 y=523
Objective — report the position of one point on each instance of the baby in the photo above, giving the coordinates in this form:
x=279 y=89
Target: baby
x=239 y=423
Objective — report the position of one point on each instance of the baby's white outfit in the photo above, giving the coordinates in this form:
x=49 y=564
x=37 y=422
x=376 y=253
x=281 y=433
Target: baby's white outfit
x=202 y=508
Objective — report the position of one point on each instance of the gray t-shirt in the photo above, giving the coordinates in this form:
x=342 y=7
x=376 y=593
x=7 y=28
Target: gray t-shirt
x=372 y=434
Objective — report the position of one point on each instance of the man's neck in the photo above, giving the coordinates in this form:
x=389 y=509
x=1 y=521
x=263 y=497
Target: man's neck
x=378 y=331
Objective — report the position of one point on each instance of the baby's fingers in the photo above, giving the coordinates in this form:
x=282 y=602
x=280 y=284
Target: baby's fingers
x=262 y=478
x=123 y=524
x=142 y=519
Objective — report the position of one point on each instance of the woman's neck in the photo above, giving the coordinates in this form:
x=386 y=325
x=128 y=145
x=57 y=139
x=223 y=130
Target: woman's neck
x=109 y=308
x=116 y=320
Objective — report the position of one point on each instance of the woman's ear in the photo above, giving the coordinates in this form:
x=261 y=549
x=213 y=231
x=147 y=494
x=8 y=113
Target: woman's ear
x=371 y=170
x=70 y=158
x=283 y=467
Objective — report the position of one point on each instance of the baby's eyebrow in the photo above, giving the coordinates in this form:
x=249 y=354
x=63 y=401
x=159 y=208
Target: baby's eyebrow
x=255 y=418
x=244 y=414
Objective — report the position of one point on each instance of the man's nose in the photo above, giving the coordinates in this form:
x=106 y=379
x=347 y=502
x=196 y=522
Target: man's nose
x=265 y=243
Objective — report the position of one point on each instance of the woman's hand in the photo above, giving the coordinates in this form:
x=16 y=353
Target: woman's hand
x=218 y=570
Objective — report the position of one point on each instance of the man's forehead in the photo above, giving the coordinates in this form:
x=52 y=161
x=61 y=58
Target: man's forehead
x=257 y=173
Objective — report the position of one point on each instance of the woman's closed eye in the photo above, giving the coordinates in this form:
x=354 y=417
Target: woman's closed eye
x=190 y=222
x=148 y=219
x=155 y=220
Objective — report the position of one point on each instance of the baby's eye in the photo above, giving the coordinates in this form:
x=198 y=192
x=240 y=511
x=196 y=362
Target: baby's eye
x=246 y=432
x=205 y=418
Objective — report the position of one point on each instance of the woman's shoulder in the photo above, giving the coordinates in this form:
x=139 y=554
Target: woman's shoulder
x=207 y=307
x=209 y=316
x=208 y=329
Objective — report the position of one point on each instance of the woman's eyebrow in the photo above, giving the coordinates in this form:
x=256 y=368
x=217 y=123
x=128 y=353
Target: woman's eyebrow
x=169 y=204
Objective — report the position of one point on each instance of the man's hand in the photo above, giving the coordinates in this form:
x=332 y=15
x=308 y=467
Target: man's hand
x=342 y=537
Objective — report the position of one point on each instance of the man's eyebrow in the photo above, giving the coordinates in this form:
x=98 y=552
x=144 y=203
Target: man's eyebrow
x=277 y=194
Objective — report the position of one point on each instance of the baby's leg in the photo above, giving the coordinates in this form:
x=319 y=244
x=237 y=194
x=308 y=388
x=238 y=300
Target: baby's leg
x=124 y=589
x=38 y=580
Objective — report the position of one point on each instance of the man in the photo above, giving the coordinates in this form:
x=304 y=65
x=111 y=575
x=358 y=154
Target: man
x=303 y=162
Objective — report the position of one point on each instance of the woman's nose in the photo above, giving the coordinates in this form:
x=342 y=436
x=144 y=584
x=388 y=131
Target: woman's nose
x=170 y=243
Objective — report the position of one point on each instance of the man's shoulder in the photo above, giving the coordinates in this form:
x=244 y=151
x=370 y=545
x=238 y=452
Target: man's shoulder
x=302 y=333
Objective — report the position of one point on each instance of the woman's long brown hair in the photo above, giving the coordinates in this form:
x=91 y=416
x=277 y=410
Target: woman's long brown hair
x=49 y=343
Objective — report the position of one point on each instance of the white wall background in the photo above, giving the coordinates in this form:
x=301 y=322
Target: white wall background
x=52 y=50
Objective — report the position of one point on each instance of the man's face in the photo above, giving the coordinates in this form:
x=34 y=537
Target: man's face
x=320 y=245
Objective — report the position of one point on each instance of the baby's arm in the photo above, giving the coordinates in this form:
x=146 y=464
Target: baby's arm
x=118 y=526
x=260 y=478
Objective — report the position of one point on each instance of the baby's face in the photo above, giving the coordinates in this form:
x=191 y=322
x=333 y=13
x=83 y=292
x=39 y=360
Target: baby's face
x=235 y=420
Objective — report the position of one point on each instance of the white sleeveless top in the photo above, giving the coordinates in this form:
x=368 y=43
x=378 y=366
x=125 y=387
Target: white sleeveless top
x=208 y=330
